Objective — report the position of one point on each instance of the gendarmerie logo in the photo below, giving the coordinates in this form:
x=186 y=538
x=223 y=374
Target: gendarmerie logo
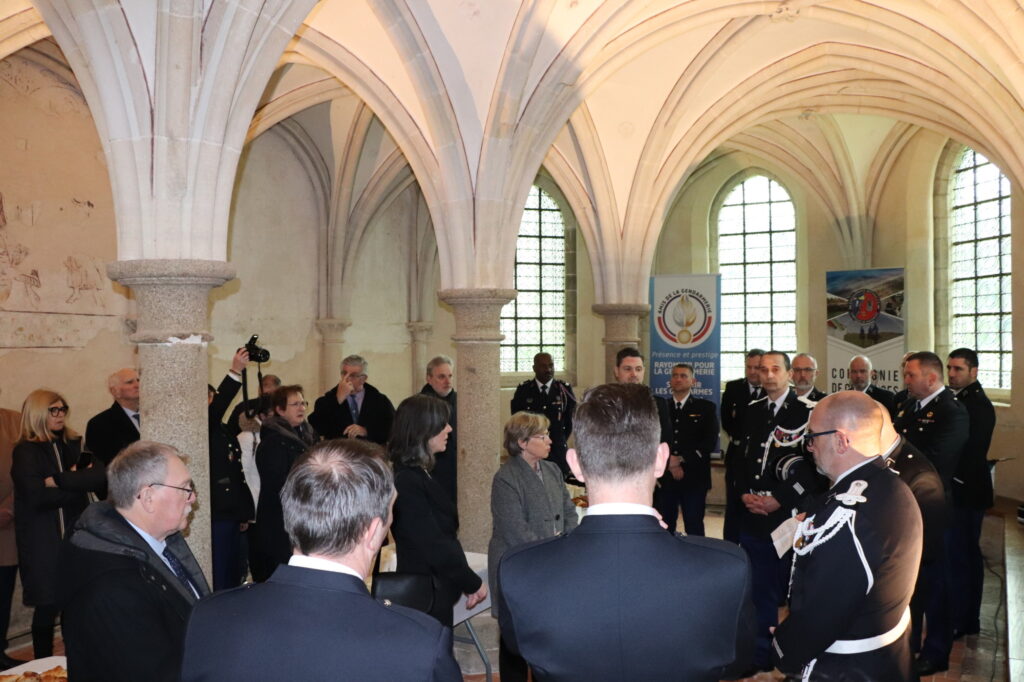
x=864 y=305
x=684 y=318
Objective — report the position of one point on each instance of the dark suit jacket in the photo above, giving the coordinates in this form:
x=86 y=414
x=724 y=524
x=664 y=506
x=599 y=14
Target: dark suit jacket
x=620 y=599
x=735 y=399
x=940 y=430
x=886 y=398
x=918 y=473
x=972 y=482
x=307 y=624
x=425 y=528
x=330 y=419
x=694 y=435
x=109 y=432
x=558 y=406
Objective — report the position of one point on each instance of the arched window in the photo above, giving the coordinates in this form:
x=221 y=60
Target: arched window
x=536 y=321
x=979 y=267
x=757 y=260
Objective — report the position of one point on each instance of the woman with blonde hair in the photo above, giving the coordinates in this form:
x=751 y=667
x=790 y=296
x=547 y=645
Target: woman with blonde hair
x=529 y=501
x=49 y=494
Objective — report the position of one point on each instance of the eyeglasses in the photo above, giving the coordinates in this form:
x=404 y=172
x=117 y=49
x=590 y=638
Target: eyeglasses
x=189 y=491
x=809 y=435
x=304 y=403
x=57 y=411
x=542 y=436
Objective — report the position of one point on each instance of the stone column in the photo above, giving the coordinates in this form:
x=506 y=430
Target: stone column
x=172 y=299
x=621 y=328
x=332 y=330
x=477 y=337
x=419 y=334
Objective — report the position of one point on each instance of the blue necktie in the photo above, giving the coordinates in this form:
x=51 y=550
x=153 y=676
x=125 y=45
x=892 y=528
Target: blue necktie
x=179 y=570
x=353 y=408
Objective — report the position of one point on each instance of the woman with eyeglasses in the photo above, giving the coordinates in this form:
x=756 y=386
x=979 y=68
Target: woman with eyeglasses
x=284 y=437
x=529 y=501
x=50 y=491
x=426 y=521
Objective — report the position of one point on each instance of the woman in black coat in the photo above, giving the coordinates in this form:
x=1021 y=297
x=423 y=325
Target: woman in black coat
x=284 y=437
x=49 y=494
x=426 y=521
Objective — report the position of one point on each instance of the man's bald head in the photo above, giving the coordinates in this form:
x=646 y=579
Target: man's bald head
x=857 y=422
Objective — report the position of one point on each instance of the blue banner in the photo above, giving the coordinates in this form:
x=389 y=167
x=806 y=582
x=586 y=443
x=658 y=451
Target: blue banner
x=685 y=316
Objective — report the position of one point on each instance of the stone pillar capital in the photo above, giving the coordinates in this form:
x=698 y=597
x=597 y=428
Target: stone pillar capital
x=476 y=313
x=172 y=296
x=333 y=329
x=420 y=331
x=621 y=328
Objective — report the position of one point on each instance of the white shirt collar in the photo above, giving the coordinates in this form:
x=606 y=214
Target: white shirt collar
x=680 y=402
x=619 y=509
x=932 y=397
x=780 y=401
x=319 y=564
x=846 y=473
x=156 y=545
x=541 y=386
x=892 y=448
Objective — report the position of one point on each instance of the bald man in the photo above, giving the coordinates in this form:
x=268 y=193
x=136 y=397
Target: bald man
x=856 y=556
x=862 y=374
x=119 y=425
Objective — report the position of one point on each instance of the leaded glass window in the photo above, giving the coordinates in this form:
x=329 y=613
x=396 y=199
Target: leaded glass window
x=536 y=320
x=979 y=262
x=757 y=261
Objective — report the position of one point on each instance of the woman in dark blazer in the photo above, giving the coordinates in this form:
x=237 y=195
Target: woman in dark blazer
x=529 y=501
x=284 y=438
x=426 y=521
x=49 y=494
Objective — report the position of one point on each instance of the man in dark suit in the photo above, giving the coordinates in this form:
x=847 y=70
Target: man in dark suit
x=737 y=395
x=629 y=369
x=861 y=375
x=773 y=429
x=687 y=479
x=554 y=399
x=618 y=598
x=119 y=425
x=856 y=556
x=805 y=373
x=314 y=618
x=917 y=472
x=446 y=463
x=353 y=408
x=933 y=420
x=972 y=493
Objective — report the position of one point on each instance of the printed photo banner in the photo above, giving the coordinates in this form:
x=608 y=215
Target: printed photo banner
x=865 y=317
x=685 y=327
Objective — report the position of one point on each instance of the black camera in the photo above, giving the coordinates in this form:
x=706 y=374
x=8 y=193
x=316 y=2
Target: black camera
x=257 y=354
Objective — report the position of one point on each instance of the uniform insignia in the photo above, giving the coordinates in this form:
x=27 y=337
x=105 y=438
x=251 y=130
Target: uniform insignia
x=900 y=414
x=853 y=495
x=930 y=415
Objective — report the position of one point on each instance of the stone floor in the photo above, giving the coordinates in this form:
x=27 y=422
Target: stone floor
x=976 y=658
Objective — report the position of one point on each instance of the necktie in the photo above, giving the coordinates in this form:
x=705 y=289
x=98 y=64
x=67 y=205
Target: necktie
x=354 y=408
x=679 y=407
x=179 y=570
x=771 y=410
x=138 y=421
x=917 y=406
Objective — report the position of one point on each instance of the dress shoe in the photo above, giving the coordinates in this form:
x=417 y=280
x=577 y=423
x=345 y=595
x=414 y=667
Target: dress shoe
x=926 y=667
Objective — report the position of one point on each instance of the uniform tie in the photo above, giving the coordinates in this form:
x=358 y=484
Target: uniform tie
x=544 y=389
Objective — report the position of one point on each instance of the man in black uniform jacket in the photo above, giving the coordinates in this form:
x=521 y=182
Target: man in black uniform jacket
x=933 y=420
x=446 y=463
x=861 y=375
x=353 y=408
x=119 y=425
x=619 y=598
x=773 y=429
x=231 y=503
x=544 y=394
x=805 y=373
x=737 y=395
x=629 y=369
x=687 y=479
x=972 y=493
x=856 y=556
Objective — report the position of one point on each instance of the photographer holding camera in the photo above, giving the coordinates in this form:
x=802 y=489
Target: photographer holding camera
x=774 y=475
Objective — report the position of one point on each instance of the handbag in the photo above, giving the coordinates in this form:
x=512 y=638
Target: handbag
x=412 y=590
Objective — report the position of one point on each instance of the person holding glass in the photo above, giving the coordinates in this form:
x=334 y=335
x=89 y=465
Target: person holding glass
x=50 y=491
x=426 y=522
x=529 y=501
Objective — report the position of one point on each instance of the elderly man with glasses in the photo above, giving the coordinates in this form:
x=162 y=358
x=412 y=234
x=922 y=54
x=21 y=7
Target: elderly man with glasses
x=129 y=579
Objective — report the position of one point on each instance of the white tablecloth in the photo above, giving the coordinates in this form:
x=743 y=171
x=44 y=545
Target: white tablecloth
x=40 y=665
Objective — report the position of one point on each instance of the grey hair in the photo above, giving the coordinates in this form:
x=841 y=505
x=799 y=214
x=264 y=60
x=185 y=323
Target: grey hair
x=437 y=362
x=114 y=379
x=808 y=356
x=352 y=361
x=142 y=463
x=333 y=494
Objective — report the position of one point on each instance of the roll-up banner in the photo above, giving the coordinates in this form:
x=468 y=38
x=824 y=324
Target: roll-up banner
x=685 y=316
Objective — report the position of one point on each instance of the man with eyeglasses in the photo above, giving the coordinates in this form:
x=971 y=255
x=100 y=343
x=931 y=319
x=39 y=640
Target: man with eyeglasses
x=856 y=556
x=129 y=580
x=119 y=425
x=805 y=373
x=353 y=408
